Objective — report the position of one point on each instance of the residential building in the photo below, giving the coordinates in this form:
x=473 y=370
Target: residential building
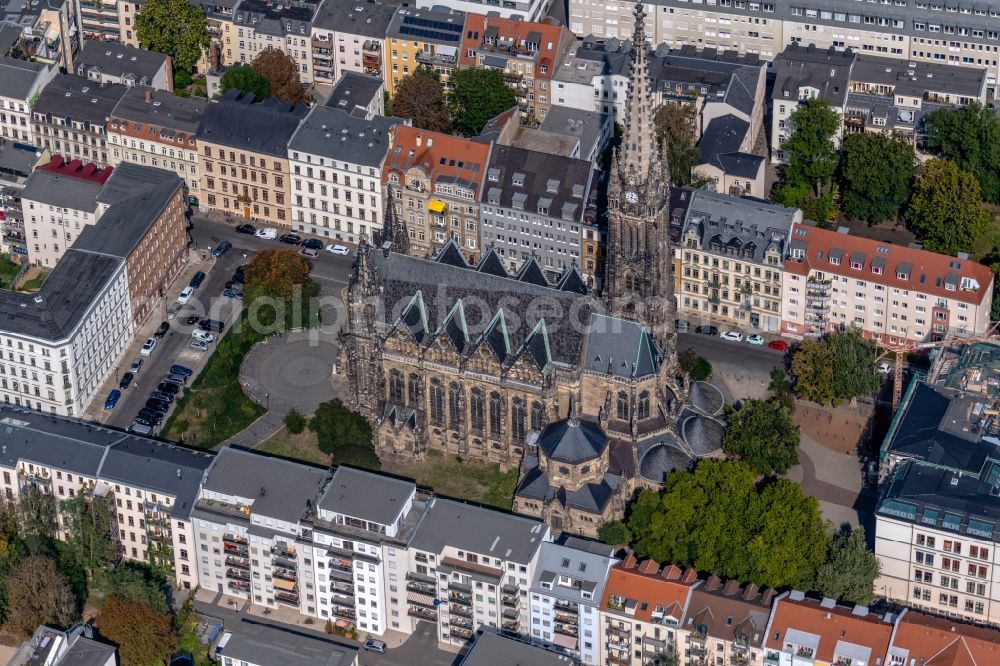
x=724 y=157
x=495 y=649
x=590 y=130
x=70 y=117
x=243 y=157
x=525 y=52
x=518 y=10
x=349 y=38
x=127 y=10
x=415 y=37
x=54 y=647
x=732 y=260
x=100 y=20
x=566 y=595
x=258 y=25
x=833 y=280
x=725 y=622
x=49 y=32
x=926 y=639
x=594 y=76
x=109 y=62
x=336 y=162
x=247 y=642
x=17 y=162
x=437 y=181
x=223 y=48
x=535 y=204
x=819 y=633
x=641 y=611
x=20 y=82
x=159 y=129
x=360 y=95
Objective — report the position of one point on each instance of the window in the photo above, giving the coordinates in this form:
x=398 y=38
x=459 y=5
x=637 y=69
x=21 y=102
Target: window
x=454 y=406
x=537 y=415
x=622 y=411
x=476 y=410
x=437 y=402
x=413 y=390
x=517 y=419
x=496 y=414
x=395 y=386
x=643 y=407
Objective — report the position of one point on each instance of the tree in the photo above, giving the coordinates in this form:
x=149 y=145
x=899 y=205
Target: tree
x=945 y=211
x=614 y=533
x=876 y=172
x=970 y=137
x=476 y=96
x=244 y=78
x=276 y=274
x=143 y=636
x=697 y=367
x=837 y=367
x=761 y=433
x=282 y=75
x=850 y=572
x=90 y=522
x=136 y=583
x=811 y=153
x=675 y=131
x=780 y=389
x=173 y=27
x=36 y=516
x=38 y=594
x=420 y=97
x=344 y=434
x=295 y=422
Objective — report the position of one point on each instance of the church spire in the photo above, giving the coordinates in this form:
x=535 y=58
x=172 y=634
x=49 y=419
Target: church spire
x=394 y=227
x=638 y=147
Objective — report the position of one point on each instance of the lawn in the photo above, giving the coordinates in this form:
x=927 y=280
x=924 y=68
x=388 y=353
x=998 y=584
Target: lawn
x=463 y=479
x=35 y=283
x=8 y=271
x=300 y=447
x=214 y=407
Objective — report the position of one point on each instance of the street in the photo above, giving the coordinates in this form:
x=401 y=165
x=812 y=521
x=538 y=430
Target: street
x=744 y=369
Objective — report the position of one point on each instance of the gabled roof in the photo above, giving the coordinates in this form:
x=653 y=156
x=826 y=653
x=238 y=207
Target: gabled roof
x=496 y=337
x=414 y=317
x=537 y=345
x=451 y=254
x=571 y=280
x=455 y=329
x=935 y=641
x=492 y=263
x=532 y=272
x=827 y=628
x=620 y=347
x=647 y=589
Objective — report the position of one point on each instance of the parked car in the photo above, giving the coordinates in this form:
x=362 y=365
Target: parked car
x=309 y=254
x=161 y=395
x=152 y=416
x=337 y=249
x=136 y=364
x=176 y=379
x=312 y=244
x=157 y=405
x=238 y=276
x=731 y=336
x=204 y=336
x=169 y=387
x=373 y=645
x=148 y=346
x=682 y=325
x=161 y=330
x=112 y=399
x=199 y=345
x=245 y=229
x=138 y=428
x=267 y=233
x=232 y=293
x=197 y=279
x=291 y=239
x=778 y=345
x=126 y=380
x=185 y=295
x=212 y=325
x=174 y=309
x=192 y=320
x=755 y=339
x=707 y=330
x=222 y=248
x=176 y=369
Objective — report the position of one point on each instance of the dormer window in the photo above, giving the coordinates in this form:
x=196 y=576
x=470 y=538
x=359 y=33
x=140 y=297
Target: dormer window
x=877 y=270
x=855 y=265
x=902 y=276
x=835 y=261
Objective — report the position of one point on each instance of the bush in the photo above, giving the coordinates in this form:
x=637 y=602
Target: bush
x=615 y=533
x=702 y=370
x=694 y=365
x=295 y=422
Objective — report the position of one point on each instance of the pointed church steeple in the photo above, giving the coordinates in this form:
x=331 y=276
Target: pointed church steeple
x=638 y=147
x=393 y=226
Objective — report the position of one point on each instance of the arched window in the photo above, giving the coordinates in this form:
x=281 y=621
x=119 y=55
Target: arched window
x=622 y=411
x=454 y=406
x=537 y=415
x=517 y=420
x=644 y=405
x=395 y=386
x=496 y=414
x=413 y=390
x=437 y=402
x=476 y=410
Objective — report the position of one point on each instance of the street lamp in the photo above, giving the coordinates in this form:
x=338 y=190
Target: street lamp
x=267 y=401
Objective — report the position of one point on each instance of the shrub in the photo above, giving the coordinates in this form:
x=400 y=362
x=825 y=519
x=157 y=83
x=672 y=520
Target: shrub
x=295 y=422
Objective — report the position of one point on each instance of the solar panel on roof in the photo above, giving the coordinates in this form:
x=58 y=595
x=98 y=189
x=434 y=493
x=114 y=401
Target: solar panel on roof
x=429 y=34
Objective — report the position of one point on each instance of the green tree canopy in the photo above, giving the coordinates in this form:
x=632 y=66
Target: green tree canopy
x=761 y=433
x=945 y=211
x=134 y=582
x=837 y=367
x=876 y=172
x=420 y=97
x=615 y=533
x=282 y=75
x=89 y=521
x=675 y=131
x=715 y=519
x=850 y=572
x=344 y=434
x=809 y=148
x=969 y=136
x=174 y=27
x=38 y=594
x=244 y=78
x=476 y=96
x=143 y=636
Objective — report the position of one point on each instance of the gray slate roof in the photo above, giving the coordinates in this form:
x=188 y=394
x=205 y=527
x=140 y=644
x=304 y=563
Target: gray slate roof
x=354 y=89
x=913 y=79
x=261 y=128
x=589 y=567
x=169 y=111
x=491 y=649
x=17 y=77
x=478 y=530
x=540 y=174
x=334 y=133
x=60 y=190
x=739 y=227
x=275 y=18
x=366 y=496
x=572 y=441
x=87 y=652
x=365 y=19
x=621 y=346
x=278 y=488
x=266 y=644
x=828 y=71
x=591 y=497
x=87 y=101
x=118 y=60
x=720 y=147
x=718 y=76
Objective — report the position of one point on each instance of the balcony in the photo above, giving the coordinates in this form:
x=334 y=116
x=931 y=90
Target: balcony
x=422 y=613
x=159 y=536
x=566 y=630
x=512 y=613
x=237 y=562
x=566 y=607
x=459 y=632
x=459 y=598
x=287 y=598
x=341 y=587
x=510 y=626
x=341 y=600
x=237 y=574
x=422 y=588
x=371 y=46
x=625 y=634
x=566 y=618
x=343 y=567
x=615 y=660
x=816 y=285
x=285 y=574
x=463 y=611
x=510 y=600
x=239 y=586
x=344 y=612
x=465 y=623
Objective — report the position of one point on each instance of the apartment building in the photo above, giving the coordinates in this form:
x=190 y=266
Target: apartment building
x=258 y=25
x=589 y=130
x=247 y=642
x=243 y=157
x=594 y=76
x=833 y=280
x=127 y=10
x=421 y=37
x=336 y=164
x=17 y=162
x=108 y=62
x=566 y=594
x=100 y=20
x=437 y=181
x=641 y=611
x=54 y=647
x=70 y=116
x=518 y=10
x=50 y=32
x=725 y=622
x=937 y=31
x=536 y=204
x=20 y=82
x=159 y=129
x=360 y=95
x=725 y=158
x=925 y=639
x=349 y=38
x=810 y=632
x=731 y=260
x=526 y=53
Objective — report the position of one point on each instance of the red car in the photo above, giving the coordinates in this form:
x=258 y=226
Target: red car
x=778 y=345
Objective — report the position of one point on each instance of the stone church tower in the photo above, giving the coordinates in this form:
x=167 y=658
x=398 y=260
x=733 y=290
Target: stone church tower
x=638 y=278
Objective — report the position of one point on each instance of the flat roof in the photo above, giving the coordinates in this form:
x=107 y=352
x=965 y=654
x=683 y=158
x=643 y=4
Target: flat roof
x=491 y=649
x=475 y=529
x=279 y=645
x=366 y=496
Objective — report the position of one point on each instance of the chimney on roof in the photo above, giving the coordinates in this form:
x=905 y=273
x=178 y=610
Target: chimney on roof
x=671 y=572
x=731 y=587
x=629 y=562
x=149 y=97
x=690 y=576
x=712 y=583
x=767 y=596
x=749 y=592
x=649 y=567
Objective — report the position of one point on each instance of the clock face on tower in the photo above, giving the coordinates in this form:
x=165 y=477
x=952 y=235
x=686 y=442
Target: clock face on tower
x=631 y=197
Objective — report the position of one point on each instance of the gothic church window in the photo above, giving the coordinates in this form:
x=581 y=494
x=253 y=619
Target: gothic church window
x=496 y=414
x=413 y=391
x=537 y=415
x=622 y=410
x=476 y=410
x=517 y=420
x=644 y=405
x=454 y=406
x=437 y=402
x=395 y=386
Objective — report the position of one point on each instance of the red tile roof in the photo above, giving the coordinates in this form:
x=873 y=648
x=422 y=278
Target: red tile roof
x=927 y=269
x=648 y=590
x=935 y=641
x=830 y=624
x=438 y=155
x=548 y=38
x=77 y=169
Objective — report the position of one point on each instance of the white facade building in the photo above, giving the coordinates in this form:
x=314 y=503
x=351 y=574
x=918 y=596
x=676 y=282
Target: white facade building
x=20 y=82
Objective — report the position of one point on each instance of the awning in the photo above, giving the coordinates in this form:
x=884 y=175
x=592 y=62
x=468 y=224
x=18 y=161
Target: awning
x=444 y=50
x=283 y=584
x=436 y=206
x=564 y=641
